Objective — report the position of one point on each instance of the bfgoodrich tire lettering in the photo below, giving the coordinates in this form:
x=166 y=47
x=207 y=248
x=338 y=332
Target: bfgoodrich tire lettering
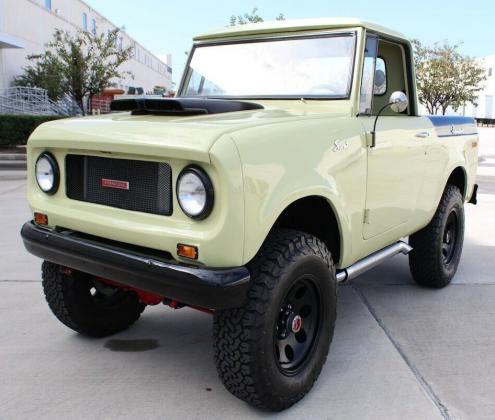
x=245 y=338
x=437 y=248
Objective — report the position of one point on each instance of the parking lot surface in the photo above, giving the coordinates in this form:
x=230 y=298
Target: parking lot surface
x=399 y=352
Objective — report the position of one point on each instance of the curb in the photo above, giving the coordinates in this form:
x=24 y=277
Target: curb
x=12 y=175
x=13 y=156
x=13 y=165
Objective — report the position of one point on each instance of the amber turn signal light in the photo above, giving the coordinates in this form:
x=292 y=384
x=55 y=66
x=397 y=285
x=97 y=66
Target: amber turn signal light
x=40 y=219
x=187 y=251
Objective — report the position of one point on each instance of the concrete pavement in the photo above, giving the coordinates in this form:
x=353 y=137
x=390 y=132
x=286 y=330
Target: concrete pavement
x=399 y=352
x=12 y=163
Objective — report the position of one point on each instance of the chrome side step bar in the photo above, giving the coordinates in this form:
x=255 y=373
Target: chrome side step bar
x=372 y=261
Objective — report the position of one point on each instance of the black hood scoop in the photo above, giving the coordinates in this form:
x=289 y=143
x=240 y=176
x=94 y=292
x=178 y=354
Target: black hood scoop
x=181 y=106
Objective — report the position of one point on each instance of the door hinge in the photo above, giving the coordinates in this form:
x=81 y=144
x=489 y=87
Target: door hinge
x=366 y=217
x=369 y=139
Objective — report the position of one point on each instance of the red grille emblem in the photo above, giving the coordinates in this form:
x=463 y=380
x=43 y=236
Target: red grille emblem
x=113 y=183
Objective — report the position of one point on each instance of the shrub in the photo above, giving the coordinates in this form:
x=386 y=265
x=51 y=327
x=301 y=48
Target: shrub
x=16 y=129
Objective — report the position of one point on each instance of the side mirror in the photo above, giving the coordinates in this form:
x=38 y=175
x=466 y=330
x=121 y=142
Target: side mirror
x=398 y=102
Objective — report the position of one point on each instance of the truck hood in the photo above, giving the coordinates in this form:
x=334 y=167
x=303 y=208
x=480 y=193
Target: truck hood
x=189 y=138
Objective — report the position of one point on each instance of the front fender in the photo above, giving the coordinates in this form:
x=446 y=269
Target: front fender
x=268 y=215
x=284 y=163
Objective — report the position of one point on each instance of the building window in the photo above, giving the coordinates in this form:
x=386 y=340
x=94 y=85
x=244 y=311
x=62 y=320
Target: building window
x=93 y=27
x=85 y=22
x=48 y=4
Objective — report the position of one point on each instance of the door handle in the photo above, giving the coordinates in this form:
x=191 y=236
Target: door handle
x=422 y=134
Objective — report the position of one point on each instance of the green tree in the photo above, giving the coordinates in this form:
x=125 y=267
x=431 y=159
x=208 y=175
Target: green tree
x=446 y=78
x=82 y=64
x=252 y=17
x=43 y=73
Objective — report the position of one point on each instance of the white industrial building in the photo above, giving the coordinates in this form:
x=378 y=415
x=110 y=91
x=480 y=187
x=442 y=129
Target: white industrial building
x=27 y=25
x=485 y=104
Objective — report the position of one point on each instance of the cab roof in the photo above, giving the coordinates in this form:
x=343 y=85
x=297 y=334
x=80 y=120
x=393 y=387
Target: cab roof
x=296 y=25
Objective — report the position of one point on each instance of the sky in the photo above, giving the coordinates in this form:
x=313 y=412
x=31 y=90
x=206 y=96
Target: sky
x=166 y=26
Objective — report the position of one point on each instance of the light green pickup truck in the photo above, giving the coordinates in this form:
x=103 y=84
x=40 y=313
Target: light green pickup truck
x=293 y=158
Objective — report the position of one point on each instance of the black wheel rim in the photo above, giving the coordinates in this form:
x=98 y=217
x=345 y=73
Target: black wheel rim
x=450 y=238
x=297 y=325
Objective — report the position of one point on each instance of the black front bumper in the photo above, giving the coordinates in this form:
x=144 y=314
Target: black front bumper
x=209 y=288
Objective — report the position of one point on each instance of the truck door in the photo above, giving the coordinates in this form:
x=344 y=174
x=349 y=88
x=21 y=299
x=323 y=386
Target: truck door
x=396 y=163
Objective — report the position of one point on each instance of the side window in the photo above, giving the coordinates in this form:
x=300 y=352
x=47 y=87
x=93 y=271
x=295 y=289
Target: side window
x=390 y=74
x=366 y=93
x=380 y=84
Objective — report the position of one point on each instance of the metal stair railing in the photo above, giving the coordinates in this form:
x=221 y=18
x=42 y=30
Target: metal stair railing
x=33 y=101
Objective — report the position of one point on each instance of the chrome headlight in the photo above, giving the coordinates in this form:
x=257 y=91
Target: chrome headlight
x=47 y=173
x=195 y=192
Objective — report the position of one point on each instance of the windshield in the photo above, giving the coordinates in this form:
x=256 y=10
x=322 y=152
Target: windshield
x=296 y=67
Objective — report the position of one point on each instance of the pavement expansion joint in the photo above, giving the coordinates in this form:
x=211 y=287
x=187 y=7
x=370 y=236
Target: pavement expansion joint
x=430 y=393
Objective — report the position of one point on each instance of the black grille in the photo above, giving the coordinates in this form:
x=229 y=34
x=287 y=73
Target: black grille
x=127 y=184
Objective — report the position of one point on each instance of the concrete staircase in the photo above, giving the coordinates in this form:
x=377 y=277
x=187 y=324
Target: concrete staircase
x=12 y=165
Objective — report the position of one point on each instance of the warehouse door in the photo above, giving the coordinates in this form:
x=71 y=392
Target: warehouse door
x=489 y=106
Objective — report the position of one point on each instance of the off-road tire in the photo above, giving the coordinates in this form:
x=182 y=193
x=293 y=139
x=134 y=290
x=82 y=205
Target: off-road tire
x=68 y=294
x=245 y=339
x=427 y=261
